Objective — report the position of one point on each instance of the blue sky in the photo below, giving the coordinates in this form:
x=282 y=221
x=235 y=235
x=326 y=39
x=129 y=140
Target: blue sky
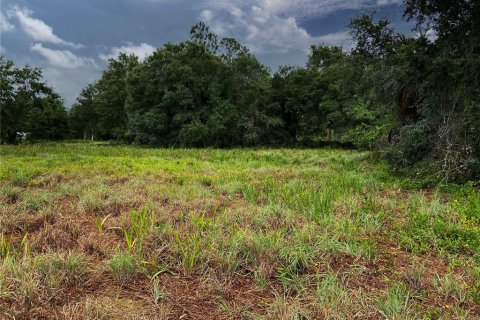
x=72 y=40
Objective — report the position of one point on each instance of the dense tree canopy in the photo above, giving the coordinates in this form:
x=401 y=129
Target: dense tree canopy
x=83 y=116
x=431 y=82
x=28 y=105
x=413 y=98
x=198 y=93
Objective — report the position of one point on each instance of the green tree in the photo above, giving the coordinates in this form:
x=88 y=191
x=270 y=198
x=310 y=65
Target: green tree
x=430 y=82
x=82 y=117
x=111 y=95
x=28 y=105
x=201 y=92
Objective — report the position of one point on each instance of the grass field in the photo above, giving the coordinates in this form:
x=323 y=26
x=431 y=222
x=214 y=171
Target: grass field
x=92 y=231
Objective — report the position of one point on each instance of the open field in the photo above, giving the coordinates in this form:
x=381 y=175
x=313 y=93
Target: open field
x=91 y=231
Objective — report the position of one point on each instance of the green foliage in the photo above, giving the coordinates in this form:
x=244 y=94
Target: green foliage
x=425 y=231
x=468 y=206
x=413 y=98
x=191 y=95
x=189 y=247
x=101 y=222
x=9 y=249
x=451 y=286
x=123 y=265
x=28 y=107
x=213 y=92
x=100 y=108
x=71 y=263
x=396 y=304
x=111 y=96
x=330 y=291
x=410 y=146
x=83 y=116
x=158 y=294
x=141 y=221
x=429 y=82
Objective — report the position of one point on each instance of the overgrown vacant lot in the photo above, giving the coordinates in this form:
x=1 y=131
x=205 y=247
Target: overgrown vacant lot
x=112 y=232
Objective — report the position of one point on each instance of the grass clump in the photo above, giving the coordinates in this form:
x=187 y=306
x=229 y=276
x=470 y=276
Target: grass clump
x=189 y=248
x=123 y=265
x=10 y=249
x=396 y=304
x=451 y=286
x=33 y=282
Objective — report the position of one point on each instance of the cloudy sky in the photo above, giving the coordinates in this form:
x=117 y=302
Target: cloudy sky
x=71 y=40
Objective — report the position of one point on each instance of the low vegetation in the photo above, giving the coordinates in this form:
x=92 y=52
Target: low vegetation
x=119 y=232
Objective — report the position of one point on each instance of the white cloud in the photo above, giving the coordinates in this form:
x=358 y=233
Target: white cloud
x=209 y=18
x=5 y=25
x=431 y=35
x=260 y=30
x=141 y=51
x=388 y=2
x=206 y=15
x=63 y=58
x=69 y=82
x=301 y=9
x=264 y=31
x=270 y=33
x=37 y=29
x=315 y=8
x=340 y=38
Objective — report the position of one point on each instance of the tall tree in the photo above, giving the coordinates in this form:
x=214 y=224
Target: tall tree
x=83 y=116
x=111 y=96
x=431 y=82
x=28 y=105
x=201 y=92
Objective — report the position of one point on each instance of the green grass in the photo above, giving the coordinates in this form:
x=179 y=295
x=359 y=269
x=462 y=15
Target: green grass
x=259 y=234
x=123 y=265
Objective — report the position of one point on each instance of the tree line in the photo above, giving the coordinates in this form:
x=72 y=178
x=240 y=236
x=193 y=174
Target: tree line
x=415 y=99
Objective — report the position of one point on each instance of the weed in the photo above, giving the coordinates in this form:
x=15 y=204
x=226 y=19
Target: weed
x=71 y=263
x=414 y=276
x=157 y=292
x=190 y=249
x=34 y=202
x=10 y=194
x=9 y=249
x=141 y=222
x=129 y=238
x=20 y=180
x=468 y=207
x=37 y=281
x=260 y=279
x=396 y=304
x=330 y=292
x=90 y=203
x=101 y=222
x=451 y=286
x=283 y=309
x=123 y=265
x=322 y=204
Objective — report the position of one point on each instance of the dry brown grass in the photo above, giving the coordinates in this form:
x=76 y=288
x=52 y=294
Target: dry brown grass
x=245 y=223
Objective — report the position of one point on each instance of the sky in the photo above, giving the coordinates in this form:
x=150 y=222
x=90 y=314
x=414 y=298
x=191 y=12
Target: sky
x=72 y=40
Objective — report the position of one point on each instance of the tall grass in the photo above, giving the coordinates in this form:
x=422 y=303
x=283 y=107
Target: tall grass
x=10 y=249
